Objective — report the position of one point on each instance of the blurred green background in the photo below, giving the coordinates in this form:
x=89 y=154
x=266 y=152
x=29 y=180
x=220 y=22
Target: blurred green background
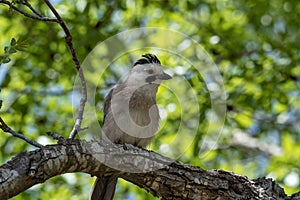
x=254 y=43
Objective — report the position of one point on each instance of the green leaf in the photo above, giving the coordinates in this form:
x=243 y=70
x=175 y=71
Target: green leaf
x=21 y=44
x=21 y=47
x=6 y=59
x=12 y=50
x=6 y=49
x=13 y=42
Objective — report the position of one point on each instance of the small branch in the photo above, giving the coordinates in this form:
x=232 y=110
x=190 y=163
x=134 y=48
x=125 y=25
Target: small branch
x=68 y=38
x=55 y=136
x=248 y=143
x=84 y=128
x=36 y=17
x=7 y=129
x=26 y=3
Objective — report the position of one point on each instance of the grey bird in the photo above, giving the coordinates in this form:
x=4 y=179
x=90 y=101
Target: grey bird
x=130 y=114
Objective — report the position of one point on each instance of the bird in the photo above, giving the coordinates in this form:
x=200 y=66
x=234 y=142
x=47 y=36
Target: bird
x=131 y=115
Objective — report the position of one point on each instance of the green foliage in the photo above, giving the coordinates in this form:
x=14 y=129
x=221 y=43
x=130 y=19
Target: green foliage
x=255 y=45
x=15 y=45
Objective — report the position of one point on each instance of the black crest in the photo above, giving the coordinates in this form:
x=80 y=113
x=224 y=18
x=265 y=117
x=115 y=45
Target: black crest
x=147 y=58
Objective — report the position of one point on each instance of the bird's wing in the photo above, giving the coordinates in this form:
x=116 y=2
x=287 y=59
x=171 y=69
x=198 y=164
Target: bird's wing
x=106 y=105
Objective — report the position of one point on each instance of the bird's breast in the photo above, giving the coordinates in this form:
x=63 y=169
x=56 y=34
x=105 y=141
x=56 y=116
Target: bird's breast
x=132 y=118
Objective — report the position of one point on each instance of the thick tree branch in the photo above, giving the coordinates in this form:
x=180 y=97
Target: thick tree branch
x=7 y=129
x=157 y=174
x=68 y=38
x=36 y=17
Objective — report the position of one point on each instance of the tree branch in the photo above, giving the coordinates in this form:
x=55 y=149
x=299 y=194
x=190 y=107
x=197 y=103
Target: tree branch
x=159 y=175
x=68 y=38
x=7 y=129
x=26 y=3
x=36 y=17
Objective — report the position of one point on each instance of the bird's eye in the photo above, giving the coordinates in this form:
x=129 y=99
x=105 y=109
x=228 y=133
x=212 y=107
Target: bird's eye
x=150 y=71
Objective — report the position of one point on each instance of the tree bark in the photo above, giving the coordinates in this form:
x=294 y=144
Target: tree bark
x=159 y=175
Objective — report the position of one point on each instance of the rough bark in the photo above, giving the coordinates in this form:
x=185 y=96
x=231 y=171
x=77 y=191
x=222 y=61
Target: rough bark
x=159 y=175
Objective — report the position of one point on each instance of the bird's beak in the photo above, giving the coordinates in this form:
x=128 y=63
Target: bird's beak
x=164 y=76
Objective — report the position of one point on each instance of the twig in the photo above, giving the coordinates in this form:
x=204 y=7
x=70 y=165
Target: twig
x=7 y=129
x=68 y=38
x=55 y=135
x=26 y=3
x=84 y=128
x=36 y=17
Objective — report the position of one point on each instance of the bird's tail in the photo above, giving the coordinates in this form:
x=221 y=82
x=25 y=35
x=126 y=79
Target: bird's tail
x=104 y=188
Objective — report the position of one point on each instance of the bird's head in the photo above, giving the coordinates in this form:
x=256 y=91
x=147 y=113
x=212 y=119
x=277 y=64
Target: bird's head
x=147 y=70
